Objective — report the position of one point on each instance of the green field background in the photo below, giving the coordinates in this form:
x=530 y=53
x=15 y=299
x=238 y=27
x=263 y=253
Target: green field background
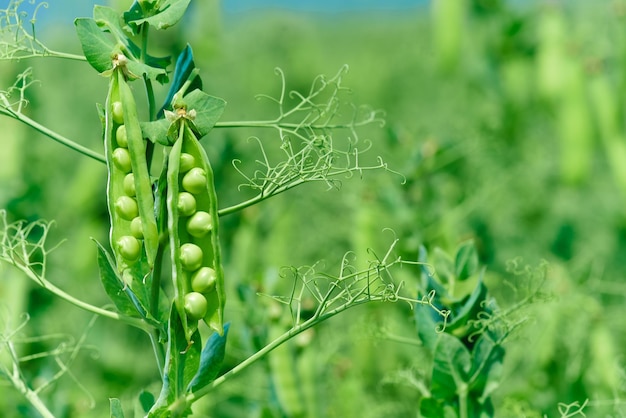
x=506 y=124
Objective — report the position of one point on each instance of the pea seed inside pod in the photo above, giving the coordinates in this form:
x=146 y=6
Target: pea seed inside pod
x=126 y=207
x=129 y=185
x=199 y=224
x=203 y=280
x=191 y=257
x=129 y=247
x=195 y=305
x=195 y=180
x=136 y=228
x=121 y=137
x=117 y=112
x=187 y=162
x=121 y=159
x=186 y=204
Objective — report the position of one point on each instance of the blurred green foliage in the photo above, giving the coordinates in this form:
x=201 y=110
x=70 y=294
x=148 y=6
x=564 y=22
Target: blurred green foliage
x=506 y=120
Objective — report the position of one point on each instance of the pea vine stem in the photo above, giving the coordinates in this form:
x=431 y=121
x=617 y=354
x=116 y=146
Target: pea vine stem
x=18 y=383
x=136 y=322
x=53 y=135
x=295 y=330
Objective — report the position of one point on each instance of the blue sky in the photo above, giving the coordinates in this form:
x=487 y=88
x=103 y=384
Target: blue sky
x=64 y=11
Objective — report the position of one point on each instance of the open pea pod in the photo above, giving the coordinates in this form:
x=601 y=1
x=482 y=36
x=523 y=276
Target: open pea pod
x=193 y=229
x=129 y=192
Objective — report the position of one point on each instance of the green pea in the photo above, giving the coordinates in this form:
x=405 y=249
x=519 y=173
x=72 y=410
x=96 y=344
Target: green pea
x=126 y=207
x=117 y=111
x=200 y=224
x=129 y=185
x=121 y=159
x=194 y=242
x=136 y=228
x=195 y=181
x=186 y=204
x=187 y=162
x=129 y=247
x=195 y=305
x=203 y=280
x=190 y=257
x=121 y=137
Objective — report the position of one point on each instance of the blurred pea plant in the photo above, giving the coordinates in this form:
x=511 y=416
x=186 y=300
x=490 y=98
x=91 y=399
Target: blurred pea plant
x=308 y=126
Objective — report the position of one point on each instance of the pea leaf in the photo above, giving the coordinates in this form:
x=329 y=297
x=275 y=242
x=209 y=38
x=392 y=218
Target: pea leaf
x=121 y=295
x=156 y=131
x=210 y=360
x=184 y=67
x=96 y=45
x=181 y=364
x=432 y=408
x=208 y=109
x=426 y=326
x=444 y=266
x=428 y=281
x=167 y=14
x=470 y=307
x=116 y=408
x=451 y=367
x=146 y=400
x=103 y=36
x=466 y=262
x=109 y=19
x=487 y=357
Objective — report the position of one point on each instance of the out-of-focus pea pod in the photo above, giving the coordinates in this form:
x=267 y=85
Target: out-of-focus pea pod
x=575 y=126
x=284 y=370
x=448 y=17
x=192 y=223
x=607 y=116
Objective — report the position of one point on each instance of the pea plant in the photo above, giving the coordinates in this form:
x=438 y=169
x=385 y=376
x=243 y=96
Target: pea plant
x=162 y=267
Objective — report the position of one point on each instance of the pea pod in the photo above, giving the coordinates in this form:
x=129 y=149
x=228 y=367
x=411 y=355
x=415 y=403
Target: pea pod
x=126 y=161
x=196 y=258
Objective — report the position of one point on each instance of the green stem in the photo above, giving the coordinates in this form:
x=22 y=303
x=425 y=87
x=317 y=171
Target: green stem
x=136 y=322
x=276 y=124
x=65 y=55
x=315 y=320
x=260 y=197
x=463 y=403
x=53 y=135
x=21 y=386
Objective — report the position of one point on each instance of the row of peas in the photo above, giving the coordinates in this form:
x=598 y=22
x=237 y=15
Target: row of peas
x=193 y=224
x=129 y=191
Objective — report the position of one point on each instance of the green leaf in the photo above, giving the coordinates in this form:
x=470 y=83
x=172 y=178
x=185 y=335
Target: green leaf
x=470 y=308
x=97 y=46
x=487 y=357
x=184 y=67
x=168 y=13
x=154 y=67
x=466 y=262
x=208 y=109
x=156 y=131
x=146 y=400
x=116 y=408
x=109 y=20
x=181 y=365
x=451 y=367
x=426 y=326
x=113 y=285
x=210 y=360
x=444 y=266
x=431 y=408
x=428 y=281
